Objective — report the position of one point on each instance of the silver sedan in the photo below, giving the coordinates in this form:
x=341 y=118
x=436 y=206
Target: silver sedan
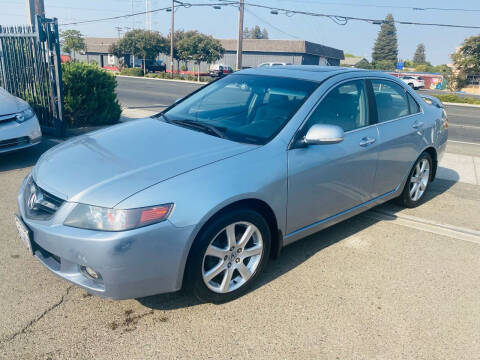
x=19 y=126
x=201 y=195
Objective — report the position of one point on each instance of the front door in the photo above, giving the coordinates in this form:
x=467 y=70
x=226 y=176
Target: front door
x=326 y=180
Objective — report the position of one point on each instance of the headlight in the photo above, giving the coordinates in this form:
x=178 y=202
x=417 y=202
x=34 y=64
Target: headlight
x=25 y=115
x=98 y=218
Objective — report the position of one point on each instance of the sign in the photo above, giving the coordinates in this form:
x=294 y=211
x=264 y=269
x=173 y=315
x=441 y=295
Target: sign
x=400 y=65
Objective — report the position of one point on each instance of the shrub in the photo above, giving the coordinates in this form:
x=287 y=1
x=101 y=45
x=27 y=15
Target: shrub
x=132 y=72
x=89 y=95
x=457 y=99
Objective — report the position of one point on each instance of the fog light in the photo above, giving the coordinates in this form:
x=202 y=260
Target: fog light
x=91 y=273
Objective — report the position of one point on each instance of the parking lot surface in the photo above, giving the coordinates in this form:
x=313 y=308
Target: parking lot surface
x=388 y=284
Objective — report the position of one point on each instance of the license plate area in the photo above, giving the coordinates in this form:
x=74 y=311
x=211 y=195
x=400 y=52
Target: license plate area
x=24 y=233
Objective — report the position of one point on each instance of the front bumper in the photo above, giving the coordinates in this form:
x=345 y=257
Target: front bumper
x=15 y=136
x=132 y=264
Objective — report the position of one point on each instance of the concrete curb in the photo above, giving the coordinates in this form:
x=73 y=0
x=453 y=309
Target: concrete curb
x=461 y=104
x=171 y=80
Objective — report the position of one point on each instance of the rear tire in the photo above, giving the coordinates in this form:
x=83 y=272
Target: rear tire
x=228 y=256
x=417 y=183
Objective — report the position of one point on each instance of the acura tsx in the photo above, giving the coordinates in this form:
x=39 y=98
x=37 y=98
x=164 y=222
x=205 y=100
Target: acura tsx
x=201 y=195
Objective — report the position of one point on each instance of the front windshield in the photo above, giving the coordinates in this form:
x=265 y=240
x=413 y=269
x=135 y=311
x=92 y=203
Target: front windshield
x=243 y=108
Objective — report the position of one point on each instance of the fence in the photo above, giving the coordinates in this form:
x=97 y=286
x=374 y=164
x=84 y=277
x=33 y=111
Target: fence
x=30 y=69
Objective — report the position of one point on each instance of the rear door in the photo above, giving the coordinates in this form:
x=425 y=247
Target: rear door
x=325 y=180
x=400 y=126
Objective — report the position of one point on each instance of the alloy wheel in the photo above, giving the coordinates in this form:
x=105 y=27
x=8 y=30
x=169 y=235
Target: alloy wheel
x=419 y=179
x=232 y=257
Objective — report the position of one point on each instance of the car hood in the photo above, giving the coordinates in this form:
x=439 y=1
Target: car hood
x=10 y=104
x=105 y=167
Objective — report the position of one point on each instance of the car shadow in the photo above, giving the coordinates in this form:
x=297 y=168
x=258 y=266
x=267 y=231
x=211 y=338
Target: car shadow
x=300 y=251
x=23 y=158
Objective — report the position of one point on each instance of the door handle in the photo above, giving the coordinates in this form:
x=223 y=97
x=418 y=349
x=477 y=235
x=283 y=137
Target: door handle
x=367 y=141
x=417 y=124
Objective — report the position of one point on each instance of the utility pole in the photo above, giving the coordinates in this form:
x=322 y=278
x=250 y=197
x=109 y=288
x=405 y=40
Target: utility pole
x=172 y=33
x=240 y=35
x=133 y=18
x=34 y=8
x=148 y=16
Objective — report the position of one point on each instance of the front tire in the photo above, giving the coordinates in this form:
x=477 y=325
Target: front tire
x=228 y=256
x=417 y=183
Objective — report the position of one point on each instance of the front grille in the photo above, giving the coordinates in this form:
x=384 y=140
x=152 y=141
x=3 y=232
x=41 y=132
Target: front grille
x=14 y=142
x=38 y=203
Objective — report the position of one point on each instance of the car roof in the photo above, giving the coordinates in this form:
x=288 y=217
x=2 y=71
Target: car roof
x=307 y=72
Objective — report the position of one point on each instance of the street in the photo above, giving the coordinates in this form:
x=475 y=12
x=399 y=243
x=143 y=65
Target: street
x=391 y=283
x=154 y=95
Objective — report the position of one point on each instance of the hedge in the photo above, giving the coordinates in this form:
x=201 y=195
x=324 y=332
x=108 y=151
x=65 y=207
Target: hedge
x=132 y=72
x=89 y=95
x=457 y=99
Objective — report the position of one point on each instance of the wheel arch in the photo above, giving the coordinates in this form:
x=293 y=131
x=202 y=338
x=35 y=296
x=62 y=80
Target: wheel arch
x=249 y=203
x=433 y=153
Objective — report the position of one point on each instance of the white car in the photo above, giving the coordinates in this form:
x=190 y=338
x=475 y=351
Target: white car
x=269 y=64
x=415 y=82
x=19 y=127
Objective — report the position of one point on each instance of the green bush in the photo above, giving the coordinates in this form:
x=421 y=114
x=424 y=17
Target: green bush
x=457 y=99
x=132 y=72
x=89 y=95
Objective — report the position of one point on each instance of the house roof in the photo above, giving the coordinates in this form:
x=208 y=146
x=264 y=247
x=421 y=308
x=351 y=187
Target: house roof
x=352 y=60
x=283 y=46
x=101 y=45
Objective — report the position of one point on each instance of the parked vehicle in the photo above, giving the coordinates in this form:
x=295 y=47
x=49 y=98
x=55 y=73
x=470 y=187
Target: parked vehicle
x=415 y=82
x=155 y=65
x=19 y=127
x=270 y=64
x=242 y=167
x=219 y=70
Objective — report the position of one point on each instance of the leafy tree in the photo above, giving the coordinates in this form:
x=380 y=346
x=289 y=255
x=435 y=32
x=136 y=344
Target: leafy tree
x=384 y=65
x=363 y=64
x=144 y=44
x=419 y=56
x=467 y=58
x=386 y=45
x=255 y=33
x=72 y=40
x=199 y=48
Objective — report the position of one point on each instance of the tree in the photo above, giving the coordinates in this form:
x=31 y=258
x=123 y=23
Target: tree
x=72 y=40
x=255 y=33
x=419 y=56
x=363 y=64
x=144 y=44
x=199 y=47
x=386 y=45
x=467 y=58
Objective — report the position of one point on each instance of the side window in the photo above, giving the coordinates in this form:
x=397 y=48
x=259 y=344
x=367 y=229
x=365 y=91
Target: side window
x=391 y=99
x=413 y=105
x=345 y=106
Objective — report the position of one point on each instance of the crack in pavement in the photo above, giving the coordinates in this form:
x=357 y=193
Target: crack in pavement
x=38 y=318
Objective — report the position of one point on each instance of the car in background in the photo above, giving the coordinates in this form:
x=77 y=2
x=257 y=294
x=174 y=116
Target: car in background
x=270 y=64
x=201 y=195
x=415 y=82
x=155 y=66
x=219 y=70
x=19 y=127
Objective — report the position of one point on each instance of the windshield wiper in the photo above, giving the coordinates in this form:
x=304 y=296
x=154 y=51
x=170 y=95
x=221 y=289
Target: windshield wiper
x=206 y=128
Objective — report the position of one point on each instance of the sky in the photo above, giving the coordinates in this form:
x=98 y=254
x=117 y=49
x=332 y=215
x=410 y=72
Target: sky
x=355 y=37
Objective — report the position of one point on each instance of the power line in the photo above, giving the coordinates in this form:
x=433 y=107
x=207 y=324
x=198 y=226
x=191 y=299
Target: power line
x=271 y=25
x=338 y=19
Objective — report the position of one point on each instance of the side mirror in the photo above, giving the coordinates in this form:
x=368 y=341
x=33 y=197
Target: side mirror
x=320 y=134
